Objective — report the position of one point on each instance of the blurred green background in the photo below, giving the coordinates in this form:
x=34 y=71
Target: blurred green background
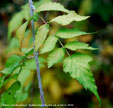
x=58 y=86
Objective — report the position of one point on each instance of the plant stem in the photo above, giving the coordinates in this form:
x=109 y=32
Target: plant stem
x=36 y=56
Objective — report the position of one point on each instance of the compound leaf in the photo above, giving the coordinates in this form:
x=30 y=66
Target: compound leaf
x=41 y=35
x=70 y=33
x=49 y=44
x=78 y=45
x=21 y=31
x=67 y=19
x=78 y=67
x=55 y=56
x=52 y=6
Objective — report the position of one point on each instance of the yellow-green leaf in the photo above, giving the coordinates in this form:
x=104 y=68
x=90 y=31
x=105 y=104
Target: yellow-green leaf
x=78 y=67
x=49 y=44
x=22 y=77
x=41 y=35
x=52 y=6
x=55 y=56
x=21 y=32
x=67 y=19
x=15 y=22
x=78 y=45
x=70 y=33
x=26 y=11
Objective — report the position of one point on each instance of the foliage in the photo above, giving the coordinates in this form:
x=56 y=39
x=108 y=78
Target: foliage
x=19 y=66
x=49 y=44
x=70 y=17
x=78 y=45
x=41 y=36
x=56 y=56
x=9 y=96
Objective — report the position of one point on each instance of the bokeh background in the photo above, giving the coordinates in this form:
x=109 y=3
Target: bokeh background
x=58 y=86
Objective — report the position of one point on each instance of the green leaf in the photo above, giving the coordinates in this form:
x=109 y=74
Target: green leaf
x=52 y=6
x=27 y=51
x=67 y=19
x=14 y=43
x=55 y=56
x=3 y=81
x=8 y=97
x=37 y=4
x=12 y=63
x=21 y=95
x=25 y=73
x=78 y=67
x=15 y=22
x=41 y=62
x=70 y=33
x=13 y=60
x=41 y=35
x=7 y=70
x=31 y=64
x=35 y=17
x=49 y=44
x=21 y=31
x=26 y=11
x=78 y=45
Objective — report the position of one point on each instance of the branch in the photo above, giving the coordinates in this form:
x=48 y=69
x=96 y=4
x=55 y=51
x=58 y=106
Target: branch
x=36 y=56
